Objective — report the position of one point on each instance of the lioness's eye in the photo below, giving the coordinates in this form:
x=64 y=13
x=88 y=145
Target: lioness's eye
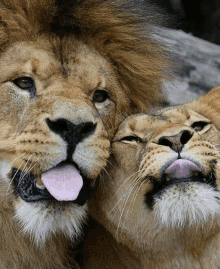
x=131 y=139
x=25 y=83
x=199 y=125
x=100 y=96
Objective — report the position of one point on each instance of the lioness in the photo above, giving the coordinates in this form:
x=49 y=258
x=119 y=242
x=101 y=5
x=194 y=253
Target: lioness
x=160 y=205
x=70 y=72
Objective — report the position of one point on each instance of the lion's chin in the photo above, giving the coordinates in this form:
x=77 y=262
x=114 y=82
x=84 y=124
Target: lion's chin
x=40 y=221
x=41 y=211
x=188 y=205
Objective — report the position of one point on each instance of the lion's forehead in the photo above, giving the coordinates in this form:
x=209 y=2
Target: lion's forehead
x=47 y=59
x=170 y=118
x=182 y=115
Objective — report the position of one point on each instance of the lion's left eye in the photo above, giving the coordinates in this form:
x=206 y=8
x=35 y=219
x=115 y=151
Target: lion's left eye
x=26 y=83
x=199 y=125
x=100 y=96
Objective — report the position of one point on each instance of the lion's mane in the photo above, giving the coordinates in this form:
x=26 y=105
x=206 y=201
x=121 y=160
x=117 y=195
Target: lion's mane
x=121 y=37
x=114 y=28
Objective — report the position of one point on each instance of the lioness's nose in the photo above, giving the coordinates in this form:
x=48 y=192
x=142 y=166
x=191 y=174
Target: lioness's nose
x=71 y=133
x=176 y=142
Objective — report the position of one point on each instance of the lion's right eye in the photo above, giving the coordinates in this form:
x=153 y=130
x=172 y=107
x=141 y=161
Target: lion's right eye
x=199 y=125
x=131 y=138
x=25 y=83
x=100 y=96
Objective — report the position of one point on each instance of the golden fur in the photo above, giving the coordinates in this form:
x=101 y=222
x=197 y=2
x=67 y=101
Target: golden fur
x=83 y=65
x=151 y=217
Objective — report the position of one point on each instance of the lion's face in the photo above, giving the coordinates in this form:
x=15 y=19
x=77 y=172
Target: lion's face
x=164 y=180
x=58 y=110
x=70 y=72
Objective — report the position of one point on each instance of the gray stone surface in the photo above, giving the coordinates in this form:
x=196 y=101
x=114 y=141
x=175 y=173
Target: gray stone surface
x=197 y=65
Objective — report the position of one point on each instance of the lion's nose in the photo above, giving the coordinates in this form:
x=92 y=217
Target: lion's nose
x=176 y=142
x=71 y=133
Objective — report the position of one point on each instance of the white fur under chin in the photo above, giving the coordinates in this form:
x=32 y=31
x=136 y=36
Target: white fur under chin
x=191 y=206
x=40 y=222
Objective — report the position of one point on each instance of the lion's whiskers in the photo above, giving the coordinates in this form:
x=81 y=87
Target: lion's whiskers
x=18 y=157
x=13 y=178
x=31 y=167
x=18 y=170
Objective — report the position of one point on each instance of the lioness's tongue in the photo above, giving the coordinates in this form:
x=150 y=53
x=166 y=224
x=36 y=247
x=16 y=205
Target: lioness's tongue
x=182 y=168
x=63 y=182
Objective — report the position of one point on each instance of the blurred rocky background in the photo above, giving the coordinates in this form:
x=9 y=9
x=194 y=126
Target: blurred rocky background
x=199 y=17
x=194 y=38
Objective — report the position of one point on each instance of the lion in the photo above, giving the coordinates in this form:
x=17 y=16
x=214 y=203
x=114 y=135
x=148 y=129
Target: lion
x=70 y=72
x=159 y=206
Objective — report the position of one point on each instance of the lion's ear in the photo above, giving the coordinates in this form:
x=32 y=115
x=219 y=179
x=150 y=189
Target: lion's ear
x=209 y=106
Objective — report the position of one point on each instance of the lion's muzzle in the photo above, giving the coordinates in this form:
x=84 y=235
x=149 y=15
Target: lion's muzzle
x=71 y=133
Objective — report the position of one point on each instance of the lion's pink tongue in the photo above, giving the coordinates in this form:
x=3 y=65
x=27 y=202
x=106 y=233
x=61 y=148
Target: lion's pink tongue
x=182 y=168
x=63 y=182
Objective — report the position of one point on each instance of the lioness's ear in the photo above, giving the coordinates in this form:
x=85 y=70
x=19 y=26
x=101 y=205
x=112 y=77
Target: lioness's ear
x=209 y=106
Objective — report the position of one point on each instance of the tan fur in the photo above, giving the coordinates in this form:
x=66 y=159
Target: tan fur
x=181 y=228
x=208 y=105
x=70 y=52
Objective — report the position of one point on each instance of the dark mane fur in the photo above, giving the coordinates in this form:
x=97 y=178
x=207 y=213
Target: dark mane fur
x=119 y=31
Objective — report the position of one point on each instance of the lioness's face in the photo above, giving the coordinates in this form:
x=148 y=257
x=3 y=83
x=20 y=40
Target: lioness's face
x=58 y=109
x=164 y=178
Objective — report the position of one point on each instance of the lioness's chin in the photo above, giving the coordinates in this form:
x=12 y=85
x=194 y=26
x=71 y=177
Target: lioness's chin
x=187 y=205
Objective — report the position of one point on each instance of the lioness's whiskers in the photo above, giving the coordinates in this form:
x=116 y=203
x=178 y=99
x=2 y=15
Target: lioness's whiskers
x=128 y=179
x=134 y=197
x=110 y=163
x=122 y=212
x=130 y=186
x=106 y=172
x=136 y=192
x=216 y=164
x=210 y=136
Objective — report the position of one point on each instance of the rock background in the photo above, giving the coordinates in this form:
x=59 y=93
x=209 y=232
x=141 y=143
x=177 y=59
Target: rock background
x=197 y=65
